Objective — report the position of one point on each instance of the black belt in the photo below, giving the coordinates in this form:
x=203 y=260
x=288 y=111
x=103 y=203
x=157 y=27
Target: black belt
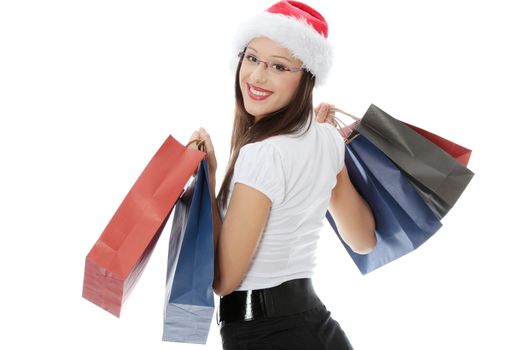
x=288 y=298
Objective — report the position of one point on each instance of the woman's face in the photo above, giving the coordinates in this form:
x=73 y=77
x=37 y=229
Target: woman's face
x=267 y=89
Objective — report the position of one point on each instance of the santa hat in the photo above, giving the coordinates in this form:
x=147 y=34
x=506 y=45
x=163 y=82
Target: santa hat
x=297 y=27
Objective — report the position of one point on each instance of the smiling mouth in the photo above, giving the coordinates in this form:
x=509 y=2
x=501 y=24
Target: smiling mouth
x=256 y=93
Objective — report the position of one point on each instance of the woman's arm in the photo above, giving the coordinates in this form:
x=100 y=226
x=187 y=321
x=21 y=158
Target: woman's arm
x=236 y=239
x=352 y=215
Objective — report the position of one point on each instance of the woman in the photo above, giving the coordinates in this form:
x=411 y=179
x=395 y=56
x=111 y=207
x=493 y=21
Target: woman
x=285 y=171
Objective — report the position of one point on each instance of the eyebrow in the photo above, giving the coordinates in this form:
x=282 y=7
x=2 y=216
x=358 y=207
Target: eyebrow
x=249 y=47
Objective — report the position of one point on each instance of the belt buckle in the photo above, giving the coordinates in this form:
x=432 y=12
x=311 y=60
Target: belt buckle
x=255 y=305
x=251 y=306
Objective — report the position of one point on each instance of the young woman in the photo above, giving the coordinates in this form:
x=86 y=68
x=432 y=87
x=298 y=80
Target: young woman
x=285 y=171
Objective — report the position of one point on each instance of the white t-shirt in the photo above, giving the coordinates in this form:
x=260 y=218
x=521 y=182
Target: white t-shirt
x=297 y=172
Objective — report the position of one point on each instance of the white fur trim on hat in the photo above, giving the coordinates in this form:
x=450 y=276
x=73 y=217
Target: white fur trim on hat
x=297 y=35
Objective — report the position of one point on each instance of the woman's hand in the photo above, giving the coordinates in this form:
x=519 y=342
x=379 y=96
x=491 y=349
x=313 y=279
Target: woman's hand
x=201 y=134
x=325 y=113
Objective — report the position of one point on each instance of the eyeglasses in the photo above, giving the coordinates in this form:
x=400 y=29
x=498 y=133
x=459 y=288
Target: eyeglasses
x=276 y=68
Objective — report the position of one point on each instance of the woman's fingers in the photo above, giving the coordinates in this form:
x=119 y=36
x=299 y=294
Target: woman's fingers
x=194 y=136
x=203 y=135
x=321 y=112
x=210 y=151
x=325 y=113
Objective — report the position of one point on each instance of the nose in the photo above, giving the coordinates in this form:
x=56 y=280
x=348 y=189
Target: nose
x=259 y=73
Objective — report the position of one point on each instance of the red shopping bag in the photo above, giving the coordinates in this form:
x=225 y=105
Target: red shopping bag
x=460 y=153
x=118 y=257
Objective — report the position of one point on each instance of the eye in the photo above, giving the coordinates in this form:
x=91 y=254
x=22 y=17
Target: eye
x=251 y=58
x=279 y=67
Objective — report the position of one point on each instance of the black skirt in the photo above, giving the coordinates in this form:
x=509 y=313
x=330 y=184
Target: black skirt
x=289 y=316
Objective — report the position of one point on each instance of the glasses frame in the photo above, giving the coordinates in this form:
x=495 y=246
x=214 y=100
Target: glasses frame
x=242 y=55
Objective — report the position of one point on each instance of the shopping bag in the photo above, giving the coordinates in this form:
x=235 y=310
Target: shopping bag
x=403 y=220
x=458 y=152
x=116 y=260
x=189 y=303
x=439 y=178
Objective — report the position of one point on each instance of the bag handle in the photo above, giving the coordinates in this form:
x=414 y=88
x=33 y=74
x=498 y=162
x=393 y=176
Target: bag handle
x=201 y=146
x=343 y=129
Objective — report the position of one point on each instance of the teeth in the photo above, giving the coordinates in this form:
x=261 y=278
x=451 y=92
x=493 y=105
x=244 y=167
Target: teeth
x=259 y=93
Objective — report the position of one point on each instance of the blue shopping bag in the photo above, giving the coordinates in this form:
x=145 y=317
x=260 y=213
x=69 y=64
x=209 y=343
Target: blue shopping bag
x=189 y=304
x=403 y=220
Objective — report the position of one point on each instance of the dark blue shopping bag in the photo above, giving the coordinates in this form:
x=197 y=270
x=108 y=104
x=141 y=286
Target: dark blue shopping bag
x=403 y=220
x=189 y=304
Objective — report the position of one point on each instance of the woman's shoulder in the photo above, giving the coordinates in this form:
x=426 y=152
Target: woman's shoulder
x=268 y=150
x=289 y=143
x=327 y=126
x=268 y=144
x=332 y=131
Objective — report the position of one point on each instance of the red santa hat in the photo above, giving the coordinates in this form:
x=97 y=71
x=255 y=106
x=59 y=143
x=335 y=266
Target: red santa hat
x=297 y=27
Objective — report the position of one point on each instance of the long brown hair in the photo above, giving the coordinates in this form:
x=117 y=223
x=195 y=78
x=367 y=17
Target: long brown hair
x=288 y=120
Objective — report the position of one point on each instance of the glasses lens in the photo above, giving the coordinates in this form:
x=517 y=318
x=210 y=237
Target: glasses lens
x=276 y=68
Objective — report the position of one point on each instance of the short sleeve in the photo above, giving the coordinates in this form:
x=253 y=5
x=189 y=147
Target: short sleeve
x=341 y=147
x=260 y=165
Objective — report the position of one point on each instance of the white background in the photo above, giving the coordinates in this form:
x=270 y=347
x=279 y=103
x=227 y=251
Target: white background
x=90 y=89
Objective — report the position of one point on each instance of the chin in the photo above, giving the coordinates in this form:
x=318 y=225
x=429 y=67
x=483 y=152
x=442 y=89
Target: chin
x=259 y=113
x=256 y=111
